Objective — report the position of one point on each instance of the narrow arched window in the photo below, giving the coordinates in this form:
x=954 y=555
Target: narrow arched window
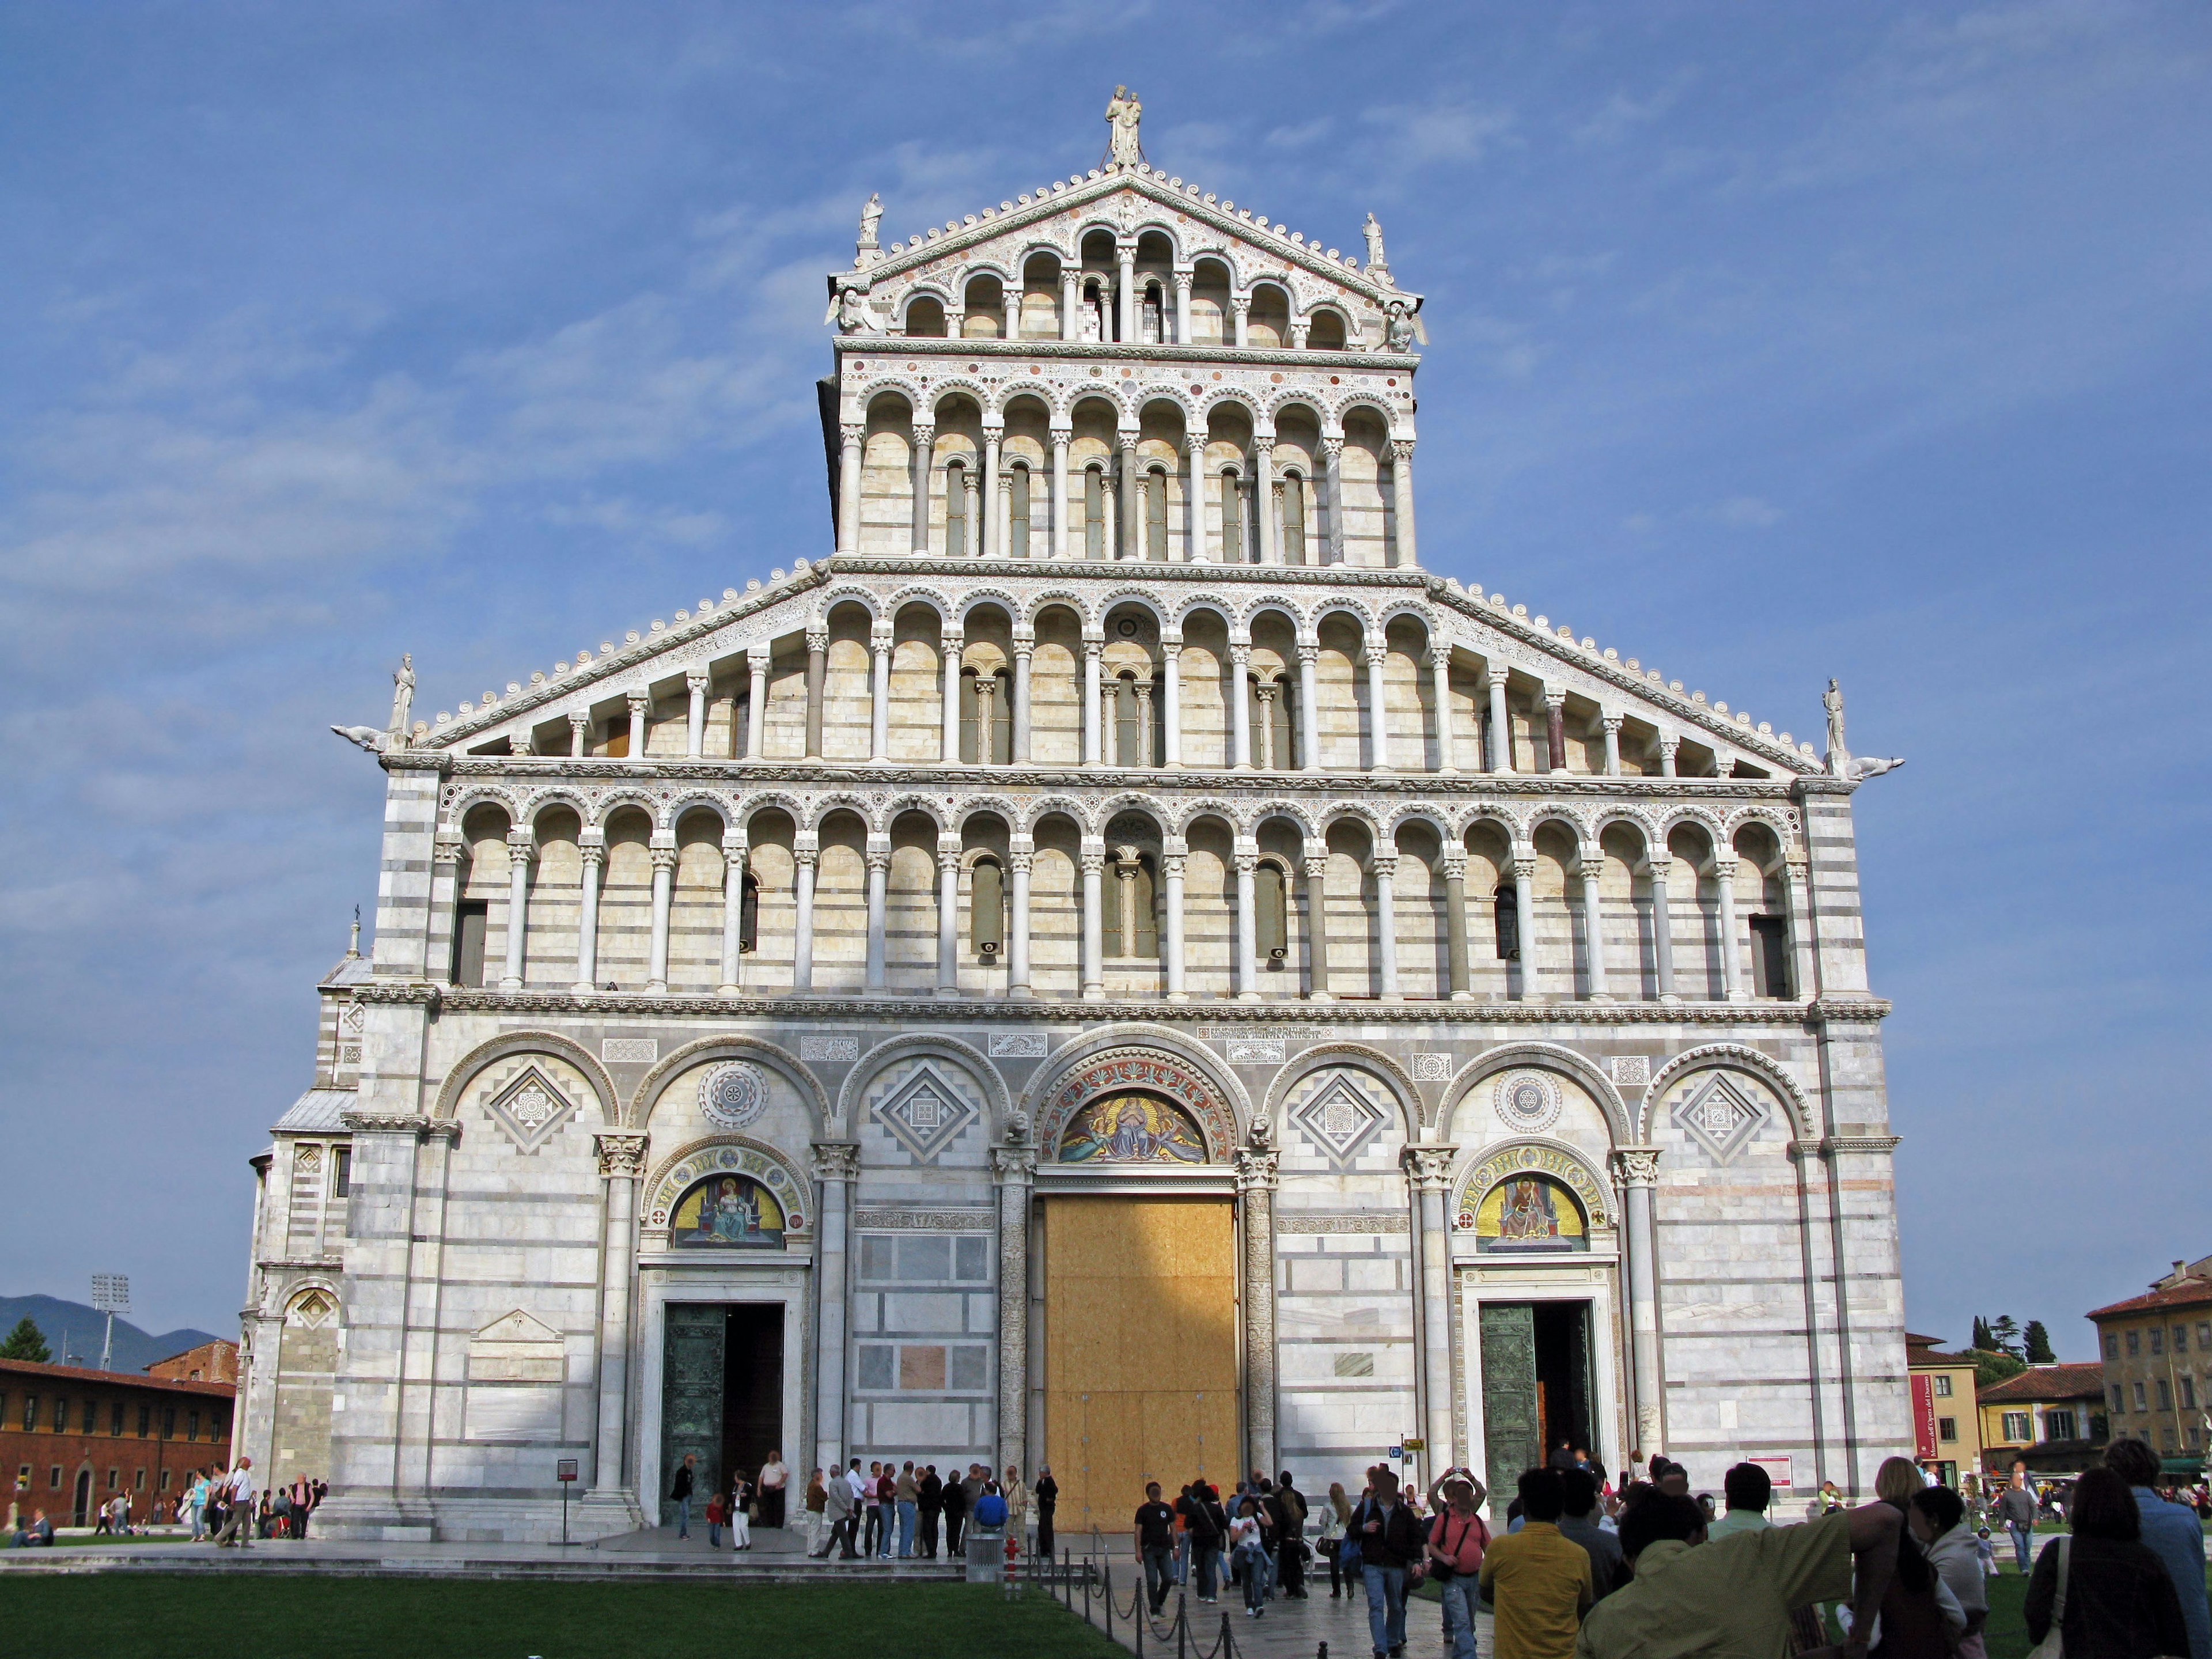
x=1094 y=513
x=987 y=909
x=1294 y=519
x=1232 y=519
x=1156 y=516
x=749 y=914
x=1508 y=923
x=955 y=510
x=1128 y=734
x=1271 y=916
x=1017 y=512
x=1153 y=328
x=1280 y=727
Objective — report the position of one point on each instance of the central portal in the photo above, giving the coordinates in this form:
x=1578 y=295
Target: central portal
x=1140 y=1350
x=721 y=1394
x=1536 y=1387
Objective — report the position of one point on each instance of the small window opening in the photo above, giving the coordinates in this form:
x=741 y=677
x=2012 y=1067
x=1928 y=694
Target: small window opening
x=1770 y=956
x=1508 y=923
x=472 y=917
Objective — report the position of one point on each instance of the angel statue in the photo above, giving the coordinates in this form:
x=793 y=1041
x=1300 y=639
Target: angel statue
x=1123 y=114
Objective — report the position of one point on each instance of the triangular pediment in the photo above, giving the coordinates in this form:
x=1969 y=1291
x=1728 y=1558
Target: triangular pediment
x=518 y=1327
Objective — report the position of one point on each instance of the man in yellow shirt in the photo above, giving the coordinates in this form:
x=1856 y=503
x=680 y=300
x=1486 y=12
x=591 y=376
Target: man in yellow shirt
x=1539 y=1581
x=1732 y=1599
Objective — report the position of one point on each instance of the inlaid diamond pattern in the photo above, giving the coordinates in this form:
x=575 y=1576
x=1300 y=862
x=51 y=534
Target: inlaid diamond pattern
x=924 y=1112
x=1720 y=1117
x=529 y=1108
x=1339 y=1119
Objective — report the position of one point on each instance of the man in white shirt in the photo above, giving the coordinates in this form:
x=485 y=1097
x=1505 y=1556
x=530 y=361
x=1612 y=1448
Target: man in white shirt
x=237 y=1485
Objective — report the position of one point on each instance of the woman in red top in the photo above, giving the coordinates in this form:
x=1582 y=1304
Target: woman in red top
x=1456 y=1539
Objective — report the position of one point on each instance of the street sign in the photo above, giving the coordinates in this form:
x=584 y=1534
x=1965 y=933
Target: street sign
x=565 y=1470
x=1397 y=1452
x=1414 y=1445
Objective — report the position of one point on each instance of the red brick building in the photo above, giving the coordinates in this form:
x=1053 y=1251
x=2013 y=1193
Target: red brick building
x=70 y=1438
x=211 y=1362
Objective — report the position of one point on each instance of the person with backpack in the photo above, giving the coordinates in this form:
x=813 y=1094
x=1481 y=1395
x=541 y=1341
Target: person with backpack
x=1390 y=1548
x=1206 y=1526
x=1456 y=1539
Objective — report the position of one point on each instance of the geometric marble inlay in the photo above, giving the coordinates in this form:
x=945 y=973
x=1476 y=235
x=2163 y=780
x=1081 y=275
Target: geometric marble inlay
x=529 y=1108
x=1720 y=1117
x=733 y=1094
x=926 y=1114
x=1340 y=1118
x=1528 y=1102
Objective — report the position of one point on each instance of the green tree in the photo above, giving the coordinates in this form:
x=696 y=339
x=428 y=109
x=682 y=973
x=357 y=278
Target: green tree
x=1983 y=1342
x=26 y=1342
x=1994 y=1366
x=2036 y=1342
x=2006 y=1331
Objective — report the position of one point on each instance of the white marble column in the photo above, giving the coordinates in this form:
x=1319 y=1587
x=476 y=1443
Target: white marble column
x=1332 y=450
x=1171 y=701
x=1456 y=941
x=1524 y=902
x=1731 y=945
x=1659 y=868
x=1375 y=653
x=1248 y=925
x=1667 y=745
x=1501 y=721
x=1024 y=647
x=1094 y=972
x=802 y=948
x=1241 y=310
x=1386 y=924
x=923 y=463
x=987 y=509
x=756 y=702
x=1263 y=499
x=1316 y=874
x=1592 y=865
x=1401 y=502
x=836 y=1165
x=1309 y=709
x=1256 y=1179
x=521 y=851
x=851 y=440
x=1428 y=1168
x=1172 y=864
x=1240 y=706
x=1440 y=694
x=1637 y=1170
x=664 y=882
x=1183 y=307
x=1059 y=438
x=878 y=862
x=1613 y=725
x=1555 y=729
x=1193 y=499
x=1093 y=748
x=580 y=728
x=948 y=698
x=1124 y=307
x=1129 y=544
x=948 y=921
x=879 y=694
x=1010 y=1167
x=640 y=705
x=1017 y=923
x=1069 y=328
x=621 y=1161
x=694 y=718
x=733 y=911
x=592 y=847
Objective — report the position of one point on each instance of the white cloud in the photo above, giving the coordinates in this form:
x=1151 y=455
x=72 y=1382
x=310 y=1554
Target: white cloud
x=1460 y=132
x=1748 y=513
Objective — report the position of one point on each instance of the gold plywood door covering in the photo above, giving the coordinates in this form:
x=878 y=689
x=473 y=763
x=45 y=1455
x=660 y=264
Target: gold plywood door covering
x=1140 y=1350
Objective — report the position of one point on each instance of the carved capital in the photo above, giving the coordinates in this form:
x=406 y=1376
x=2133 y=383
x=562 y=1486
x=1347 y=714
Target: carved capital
x=1454 y=868
x=1316 y=866
x=817 y=639
x=521 y=844
x=1428 y=1168
x=806 y=856
x=591 y=852
x=1019 y=863
x=664 y=858
x=579 y=719
x=1308 y=654
x=445 y=849
x=1636 y=1166
x=640 y=703
x=851 y=434
x=621 y=1155
x=1524 y=869
x=1614 y=723
x=1331 y=450
x=1374 y=653
x=1171 y=866
x=879 y=638
x=1012 y=1164
x=1094 y=864
x=1258 y=1169
x=1384 y=865
x=924 y=434
x=1248 y=863
x=836 y=1160
x=878 y=858
x=694 y=680
x=518 y=742
x=1555 y=696
x=1402 y=450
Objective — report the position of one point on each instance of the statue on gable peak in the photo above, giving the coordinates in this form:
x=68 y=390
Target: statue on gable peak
x=1378 y=267
x=866 y=249
x=1124 y=111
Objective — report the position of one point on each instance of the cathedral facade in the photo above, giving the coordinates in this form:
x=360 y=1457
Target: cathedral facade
x=1111 y=964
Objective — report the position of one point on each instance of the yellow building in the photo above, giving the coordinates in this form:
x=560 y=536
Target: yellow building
x=2158 y=1365
x=2050 y=1418
x=1947 y=1427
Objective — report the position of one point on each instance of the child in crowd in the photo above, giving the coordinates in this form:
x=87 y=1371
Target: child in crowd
x=1985 y=1550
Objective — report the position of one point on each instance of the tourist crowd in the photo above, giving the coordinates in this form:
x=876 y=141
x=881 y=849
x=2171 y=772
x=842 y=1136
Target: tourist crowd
x=224 y=1506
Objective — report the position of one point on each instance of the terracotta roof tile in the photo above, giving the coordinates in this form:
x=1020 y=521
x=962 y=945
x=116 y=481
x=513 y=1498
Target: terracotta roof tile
x=2190 y=1293
x=2048 y=1383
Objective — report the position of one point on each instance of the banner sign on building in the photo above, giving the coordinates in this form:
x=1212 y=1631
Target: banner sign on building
x=1923 y=1417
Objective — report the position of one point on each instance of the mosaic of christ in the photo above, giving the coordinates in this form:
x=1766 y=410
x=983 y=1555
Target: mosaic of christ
x=1529 y=1212
x=1131 y=1129
x=727 y=1209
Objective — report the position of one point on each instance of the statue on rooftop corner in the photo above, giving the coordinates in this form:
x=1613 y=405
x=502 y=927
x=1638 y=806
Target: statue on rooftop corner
x=867 y=250
x=1377 y=266
x=403 y=696
x=1123 y=114
x=1840 y=758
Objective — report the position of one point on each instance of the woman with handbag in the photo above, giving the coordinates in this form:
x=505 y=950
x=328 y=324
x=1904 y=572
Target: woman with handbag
x=1334 y=1514
x=1456 y=1539
x=2102 y=1593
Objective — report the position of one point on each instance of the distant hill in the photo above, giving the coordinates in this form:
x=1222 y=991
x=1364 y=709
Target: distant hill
x=84 y=1327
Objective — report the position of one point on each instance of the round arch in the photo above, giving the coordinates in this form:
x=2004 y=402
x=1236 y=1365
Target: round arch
x=1131 y=1055
x=510 y=1043
x=654 y=1083
x=1359 y=1056
x=1722 y=1057
x=998 y=1099
x=1543 y=1056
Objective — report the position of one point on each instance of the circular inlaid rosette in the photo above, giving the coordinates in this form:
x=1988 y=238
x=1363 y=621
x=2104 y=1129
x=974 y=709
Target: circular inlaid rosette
x=732 y=1094
x=1528 y=1102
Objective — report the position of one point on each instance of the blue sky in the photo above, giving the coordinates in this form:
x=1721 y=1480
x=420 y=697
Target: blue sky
x=1768 y=342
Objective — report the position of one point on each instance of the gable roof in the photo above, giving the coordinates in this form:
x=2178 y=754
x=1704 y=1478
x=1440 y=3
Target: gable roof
x=2042 y=1382
x=2189 y=1294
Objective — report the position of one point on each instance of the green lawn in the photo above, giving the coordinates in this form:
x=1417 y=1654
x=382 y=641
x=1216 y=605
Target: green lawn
x=115 y=1616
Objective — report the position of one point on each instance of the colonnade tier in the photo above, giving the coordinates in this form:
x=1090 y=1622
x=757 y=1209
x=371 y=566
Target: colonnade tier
x=1313 y=907
x=1306 y=705
x=1241 y=503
